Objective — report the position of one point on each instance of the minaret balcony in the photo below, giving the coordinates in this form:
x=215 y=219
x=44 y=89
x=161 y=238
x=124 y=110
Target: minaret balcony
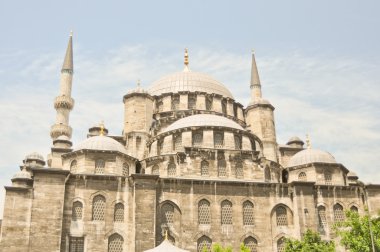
x=60 y=129
x=64 y=102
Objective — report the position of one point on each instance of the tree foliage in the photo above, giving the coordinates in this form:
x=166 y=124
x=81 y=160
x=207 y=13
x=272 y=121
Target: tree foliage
x=311 y=241
x=355 y=232
x=219 y=248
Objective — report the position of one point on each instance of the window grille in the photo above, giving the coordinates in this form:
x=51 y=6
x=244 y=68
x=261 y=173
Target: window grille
x=354 y=209
x=338 y=213
x=239 y=170
x=248 y=218
x=237 y=140
x=218 y=140
x=119 y=212
x=267 y=174
x=281 y=216
x=204 y=217
x=167 y=211
x=99 y=166
x=204 y=242
x=125 y=169
x=76 y=244
x=178 y=142
x=208 y=103
x=172 y=170
x=77 y=211
x=328 y=178
x=115 y=243
x=192 y=102
x=226 y=213
x=197 y=139
x=302 y=176
x=281 y=245
x=322 y=221
x=251 y=243
x=204 y=168
x=138 y=143
x=98 y=207
x=73 y=166
x=222 y=169
x=156 y=170
x=175 y=103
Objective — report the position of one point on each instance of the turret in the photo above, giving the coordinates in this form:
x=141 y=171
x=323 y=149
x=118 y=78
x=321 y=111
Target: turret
x=260 y=116
x=138 y=120
x=61 y=132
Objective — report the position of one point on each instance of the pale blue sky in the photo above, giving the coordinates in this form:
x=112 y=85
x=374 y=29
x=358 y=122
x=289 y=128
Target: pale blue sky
x=318 y=61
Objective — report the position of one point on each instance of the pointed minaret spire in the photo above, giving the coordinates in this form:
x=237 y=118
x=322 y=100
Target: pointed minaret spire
x=186 y=61
x=63 y=103
x=68 y=61
x=255 y=81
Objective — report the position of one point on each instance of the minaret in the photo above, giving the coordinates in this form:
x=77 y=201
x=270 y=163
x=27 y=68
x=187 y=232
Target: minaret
x=255 y=81
x=260 y=116
x=64 y=103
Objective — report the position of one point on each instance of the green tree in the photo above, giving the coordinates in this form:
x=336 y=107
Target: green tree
x=311 y=241
x=219 y=248
x=355 y=232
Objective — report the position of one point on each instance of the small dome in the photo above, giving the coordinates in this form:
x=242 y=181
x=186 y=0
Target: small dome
x=295 y=139
x=189 y=81
x=203 y=120
x=22 y=175
x=34 y=156
x=309 y=156
x=101 y=143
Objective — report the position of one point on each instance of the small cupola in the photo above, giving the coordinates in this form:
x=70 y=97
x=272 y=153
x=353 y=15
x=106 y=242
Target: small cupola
x=295 y=142
x=34 y=159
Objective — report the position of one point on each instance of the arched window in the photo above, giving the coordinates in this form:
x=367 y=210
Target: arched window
x=338 y=213
x=119 y=212
x=204 y=242
x=197 y=139
x=192 y=102
x=281 y=216
x=322 y=221
x=98 y=207
x=237 y=140
x=267 y=176
x=138 y=143
x=115 y=243
x=99 y=166
x=281 y=245
x=76 y=244
x=177 y=142
x=208 y=102
x=285 y=176
x=354 y=209
x=251 y=243
x=204 y=217
x=226 y=213
x=224 y=107
x=204 y=168
x=155 y=170
x=222 y=169
x=167 y=213
x=328 y=178
x=125 y=169
x=77 y=211
x=239 y=170
x=172 y=170
x=302 y=176
x=218 y=140
x=73 y=166
x=175 y=103
x=248 y=218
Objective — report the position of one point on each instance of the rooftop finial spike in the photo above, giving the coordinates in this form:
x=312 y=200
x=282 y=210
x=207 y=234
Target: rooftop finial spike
x=186 y=61
x=255 y=80
x=138 y=83
x=71 y=33
x=102 y=128
x=308 y=142
x=68 y=65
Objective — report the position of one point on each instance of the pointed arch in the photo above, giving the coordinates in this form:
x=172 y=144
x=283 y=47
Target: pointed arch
x=204 y=242
x=204 y=213
x=77 y=211
x=251 y=243
x=226 y=212
x=248 y=214
x=204 y=168
x=115 y=243
x=98 y=207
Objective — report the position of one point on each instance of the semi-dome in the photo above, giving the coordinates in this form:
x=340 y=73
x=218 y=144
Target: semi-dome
x=189 y=81
x=203 y=120
x=309 y=156
x=101 y=143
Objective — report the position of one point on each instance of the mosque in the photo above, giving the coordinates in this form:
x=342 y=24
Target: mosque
x=192 y=164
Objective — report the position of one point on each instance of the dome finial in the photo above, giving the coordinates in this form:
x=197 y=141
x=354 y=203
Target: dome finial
x=71 y=33
x=186 y=61
x=308 y=142
x=138 y=83
x=166 y=234
x=102 y=128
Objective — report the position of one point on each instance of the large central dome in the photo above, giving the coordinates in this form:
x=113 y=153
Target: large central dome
x=189 y=81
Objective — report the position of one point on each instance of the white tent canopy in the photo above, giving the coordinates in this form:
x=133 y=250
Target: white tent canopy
x=166 y=246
